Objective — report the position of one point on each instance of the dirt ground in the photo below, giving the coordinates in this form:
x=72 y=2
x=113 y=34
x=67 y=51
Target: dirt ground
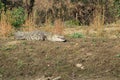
x=76 y=59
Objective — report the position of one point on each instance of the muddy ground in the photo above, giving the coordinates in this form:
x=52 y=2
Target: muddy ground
x=76 y=59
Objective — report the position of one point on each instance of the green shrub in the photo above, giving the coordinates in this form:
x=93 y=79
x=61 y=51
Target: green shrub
x=1 y=5
x=17 y=17
x=117 y=7
x=1 y=8
x=72 y=23
x=77 y=35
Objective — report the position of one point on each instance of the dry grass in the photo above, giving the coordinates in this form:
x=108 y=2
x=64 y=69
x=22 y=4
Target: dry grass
x=58 y=27
x=29 y=24
x=98 y=21
x=48 y=26
x=5 y=27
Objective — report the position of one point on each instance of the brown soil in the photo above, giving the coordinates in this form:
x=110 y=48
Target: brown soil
x=76 y=59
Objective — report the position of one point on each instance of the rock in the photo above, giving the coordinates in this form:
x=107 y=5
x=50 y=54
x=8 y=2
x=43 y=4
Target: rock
x=80 y=66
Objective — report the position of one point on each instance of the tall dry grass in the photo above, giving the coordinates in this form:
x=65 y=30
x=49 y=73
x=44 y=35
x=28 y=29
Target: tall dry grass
x=29 y=24
x=5 y=27
x=97 y=24
x=58 y=27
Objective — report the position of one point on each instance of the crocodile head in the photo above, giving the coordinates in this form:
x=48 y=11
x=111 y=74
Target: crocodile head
x=56 y=38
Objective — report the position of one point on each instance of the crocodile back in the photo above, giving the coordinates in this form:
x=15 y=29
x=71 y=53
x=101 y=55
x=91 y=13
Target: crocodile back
x=33 y=35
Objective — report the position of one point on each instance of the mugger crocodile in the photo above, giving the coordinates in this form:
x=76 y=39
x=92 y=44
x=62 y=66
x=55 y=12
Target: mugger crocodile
x=38 y=35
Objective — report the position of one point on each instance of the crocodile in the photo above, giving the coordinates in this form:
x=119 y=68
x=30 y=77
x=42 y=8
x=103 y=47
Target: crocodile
x=38 y=35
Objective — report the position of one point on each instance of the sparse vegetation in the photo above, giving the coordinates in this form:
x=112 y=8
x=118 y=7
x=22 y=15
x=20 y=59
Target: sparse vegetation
x=77 y=35
x=20 y=64
x=60 y=59
x=8 y=47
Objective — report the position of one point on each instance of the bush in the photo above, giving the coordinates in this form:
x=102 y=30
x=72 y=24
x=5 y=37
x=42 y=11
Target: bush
x=17 y=17
x=1 y=8
x=77 y=35
x=72 y=23
x=117 y=7
x=1 y=5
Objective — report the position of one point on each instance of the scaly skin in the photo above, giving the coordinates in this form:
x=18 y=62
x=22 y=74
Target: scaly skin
x=38 y=35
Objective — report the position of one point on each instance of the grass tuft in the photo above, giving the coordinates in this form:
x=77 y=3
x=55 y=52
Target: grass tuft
x=77 y=35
